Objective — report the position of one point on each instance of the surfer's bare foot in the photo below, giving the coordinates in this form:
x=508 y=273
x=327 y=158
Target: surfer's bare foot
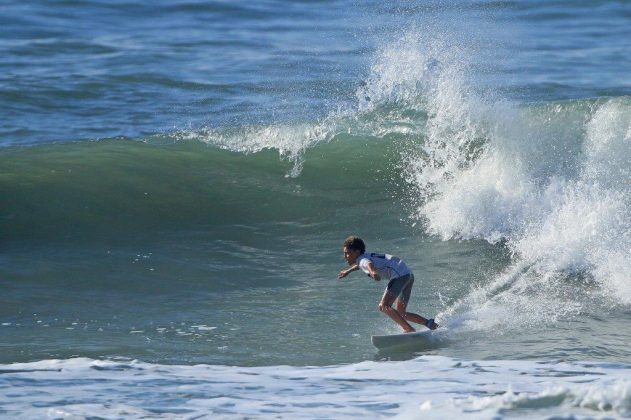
x=409 y=331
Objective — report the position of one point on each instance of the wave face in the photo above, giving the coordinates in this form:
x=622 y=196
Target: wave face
x=114 y=186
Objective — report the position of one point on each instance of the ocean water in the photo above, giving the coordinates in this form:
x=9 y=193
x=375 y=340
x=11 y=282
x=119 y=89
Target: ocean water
x=177 y=179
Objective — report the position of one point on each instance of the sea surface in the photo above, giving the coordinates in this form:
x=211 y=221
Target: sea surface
x=177 y=178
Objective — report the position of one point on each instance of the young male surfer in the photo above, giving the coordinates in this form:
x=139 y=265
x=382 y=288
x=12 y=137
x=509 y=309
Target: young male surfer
x=400 y=283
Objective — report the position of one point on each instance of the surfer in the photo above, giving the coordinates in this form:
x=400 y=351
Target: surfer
x=389 y=267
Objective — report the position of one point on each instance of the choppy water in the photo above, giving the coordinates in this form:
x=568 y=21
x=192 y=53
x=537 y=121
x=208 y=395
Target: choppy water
x=175 y=190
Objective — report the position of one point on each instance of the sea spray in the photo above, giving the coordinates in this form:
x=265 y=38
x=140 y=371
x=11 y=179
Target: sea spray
x=415 y=84
x=547 y=181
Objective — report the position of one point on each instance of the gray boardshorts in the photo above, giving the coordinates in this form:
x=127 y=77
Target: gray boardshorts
x=401 y=287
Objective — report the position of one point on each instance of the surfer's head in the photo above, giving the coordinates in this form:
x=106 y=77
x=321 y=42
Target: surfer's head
x=353 y=248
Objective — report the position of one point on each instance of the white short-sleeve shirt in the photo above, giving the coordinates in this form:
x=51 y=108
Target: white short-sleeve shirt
x=388 y=266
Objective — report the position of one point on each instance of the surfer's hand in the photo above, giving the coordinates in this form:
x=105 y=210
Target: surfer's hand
x=376 y=276
x=342 y=274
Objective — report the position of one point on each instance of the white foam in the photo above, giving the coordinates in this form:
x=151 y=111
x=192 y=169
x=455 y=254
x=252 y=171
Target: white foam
x=203 y=327
x=556 y=220
x=551 y=181
x=428 y=387
x=291 y=141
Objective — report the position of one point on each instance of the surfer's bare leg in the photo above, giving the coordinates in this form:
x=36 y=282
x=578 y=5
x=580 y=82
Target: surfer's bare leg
x=409 y=316
x=402 y=304
x=385 y=306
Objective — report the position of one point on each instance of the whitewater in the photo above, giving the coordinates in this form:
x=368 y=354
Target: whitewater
x=427 y=387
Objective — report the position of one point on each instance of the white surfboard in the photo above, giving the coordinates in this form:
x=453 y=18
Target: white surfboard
x=404 y=339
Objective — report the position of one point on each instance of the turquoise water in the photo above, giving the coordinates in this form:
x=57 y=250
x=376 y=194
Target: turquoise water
x=175 y=190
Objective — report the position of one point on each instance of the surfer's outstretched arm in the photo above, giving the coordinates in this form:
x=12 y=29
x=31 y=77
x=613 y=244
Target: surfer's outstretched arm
x=348 y=271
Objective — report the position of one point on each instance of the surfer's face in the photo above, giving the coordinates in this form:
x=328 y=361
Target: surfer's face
x=350 y=255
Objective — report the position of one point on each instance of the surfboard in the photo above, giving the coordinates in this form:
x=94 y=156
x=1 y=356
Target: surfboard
x=403 y=339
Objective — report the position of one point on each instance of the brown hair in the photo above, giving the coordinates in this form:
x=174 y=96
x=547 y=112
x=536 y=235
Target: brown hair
x=355 y=243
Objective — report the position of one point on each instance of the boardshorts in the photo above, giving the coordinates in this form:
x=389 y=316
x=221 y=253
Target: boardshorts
x=401 y=287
